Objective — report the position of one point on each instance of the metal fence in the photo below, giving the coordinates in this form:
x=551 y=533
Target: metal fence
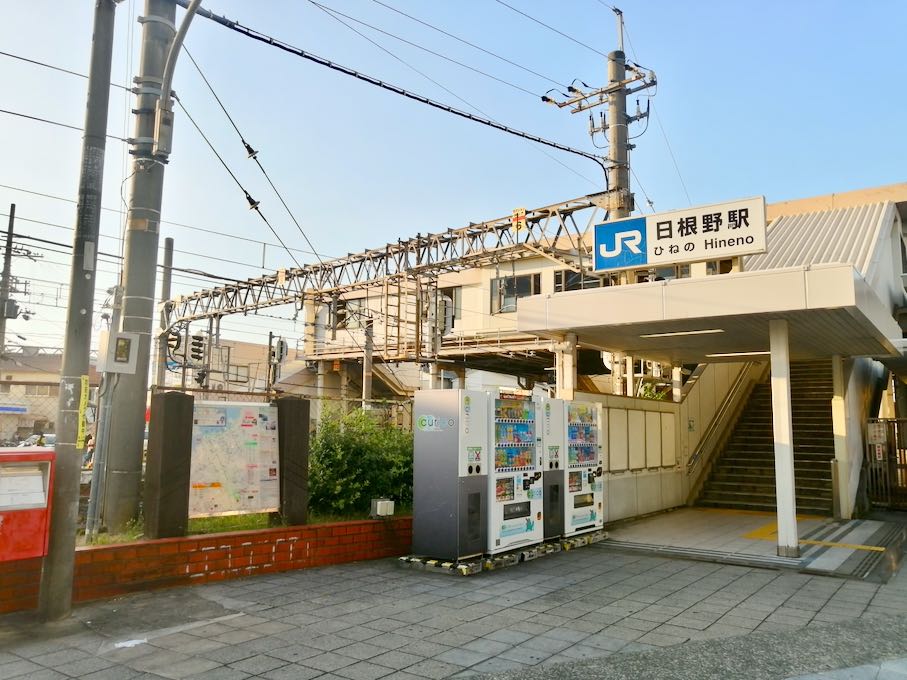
x=396 y=412
x=885 y=462
x=29 y=409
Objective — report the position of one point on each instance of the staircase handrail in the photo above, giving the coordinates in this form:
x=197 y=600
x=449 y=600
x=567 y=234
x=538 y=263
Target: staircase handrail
x=719 y=429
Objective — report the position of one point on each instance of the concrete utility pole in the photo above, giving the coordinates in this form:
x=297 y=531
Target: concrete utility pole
x=620 y=198
x=7 y=275
x=162 y=352
x=55 y=598
x=161 y=43
x=619 y=170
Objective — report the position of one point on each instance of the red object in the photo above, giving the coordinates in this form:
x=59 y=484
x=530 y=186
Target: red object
x=24 y=530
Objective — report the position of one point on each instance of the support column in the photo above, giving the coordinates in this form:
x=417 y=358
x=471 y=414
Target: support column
x=460 y=370
x=840 y=493
x=617 y=373
x=631 y=377
x=565 y=355
x=321 y=380
x=782 y=423
x=677 y=383
x=367 y=364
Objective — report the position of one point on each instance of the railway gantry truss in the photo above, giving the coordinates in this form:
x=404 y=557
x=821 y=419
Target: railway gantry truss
x=551 y=231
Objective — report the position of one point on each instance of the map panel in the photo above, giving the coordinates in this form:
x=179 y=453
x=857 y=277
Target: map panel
x=234 y=467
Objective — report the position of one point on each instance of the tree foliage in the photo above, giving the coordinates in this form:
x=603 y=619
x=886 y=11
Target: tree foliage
x=356 y=457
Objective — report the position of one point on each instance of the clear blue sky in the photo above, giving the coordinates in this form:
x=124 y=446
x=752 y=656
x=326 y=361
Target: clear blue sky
x=785 y=99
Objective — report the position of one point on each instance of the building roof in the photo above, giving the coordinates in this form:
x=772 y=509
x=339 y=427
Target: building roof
x=842 y=236
x=13 y=363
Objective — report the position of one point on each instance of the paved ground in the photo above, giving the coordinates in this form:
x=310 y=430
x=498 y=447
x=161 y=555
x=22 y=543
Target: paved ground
x=542 y=618
x=827 y=546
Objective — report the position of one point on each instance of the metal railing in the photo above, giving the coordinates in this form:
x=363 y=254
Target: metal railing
x=721 y=426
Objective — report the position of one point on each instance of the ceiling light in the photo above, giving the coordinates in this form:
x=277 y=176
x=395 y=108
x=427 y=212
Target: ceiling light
x=705 y=331
x=738 y=354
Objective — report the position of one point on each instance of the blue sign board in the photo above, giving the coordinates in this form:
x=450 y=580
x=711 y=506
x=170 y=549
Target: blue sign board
x=621 y=244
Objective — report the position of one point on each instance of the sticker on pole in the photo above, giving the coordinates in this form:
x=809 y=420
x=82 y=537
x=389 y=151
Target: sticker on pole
x=710 y=232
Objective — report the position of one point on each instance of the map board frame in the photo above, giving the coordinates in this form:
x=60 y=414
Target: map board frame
x=235 y=460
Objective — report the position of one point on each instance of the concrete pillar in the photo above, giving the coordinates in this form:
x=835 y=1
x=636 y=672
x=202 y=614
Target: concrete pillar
x=631 y=376
x=617 y=373
x=677 y=383
x=460 y=370
x=782 y=423
x=565 y=357
x=843 y=509
x=320 y=390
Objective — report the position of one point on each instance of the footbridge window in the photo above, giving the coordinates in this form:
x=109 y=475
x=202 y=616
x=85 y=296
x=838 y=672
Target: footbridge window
x=505 y=291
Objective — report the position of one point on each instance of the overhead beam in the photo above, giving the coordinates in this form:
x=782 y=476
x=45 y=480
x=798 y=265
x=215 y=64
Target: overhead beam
x=454 y=250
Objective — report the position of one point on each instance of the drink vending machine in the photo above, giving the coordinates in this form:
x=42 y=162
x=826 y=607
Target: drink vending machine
x=554 y=464
x=515 y=502
x=451 y=466
x=584 y=498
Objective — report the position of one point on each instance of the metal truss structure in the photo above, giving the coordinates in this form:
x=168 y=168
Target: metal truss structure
x=551 y=231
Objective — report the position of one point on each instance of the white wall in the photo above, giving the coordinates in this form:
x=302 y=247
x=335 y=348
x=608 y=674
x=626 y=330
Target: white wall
x=641 y=455
x=862 y=377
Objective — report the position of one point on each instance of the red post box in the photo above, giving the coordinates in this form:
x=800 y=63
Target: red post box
x=26 y=482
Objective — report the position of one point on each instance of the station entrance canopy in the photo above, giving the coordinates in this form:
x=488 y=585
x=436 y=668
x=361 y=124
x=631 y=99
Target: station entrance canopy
x=833 y=275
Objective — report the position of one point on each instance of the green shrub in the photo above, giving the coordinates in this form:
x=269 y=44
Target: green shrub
x=355 y=457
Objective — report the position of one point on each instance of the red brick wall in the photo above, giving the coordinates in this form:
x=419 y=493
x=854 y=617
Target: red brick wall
x=110 y=570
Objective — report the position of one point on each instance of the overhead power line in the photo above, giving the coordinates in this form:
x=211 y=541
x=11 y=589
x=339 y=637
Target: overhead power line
x=170 y=222
x=551 y=28
x=426 y=49
x=470 y=44
x=253 y=154
x=253 y=204
x=472 y=106
x=53 y=122
x=274 y=42
x=55 y=68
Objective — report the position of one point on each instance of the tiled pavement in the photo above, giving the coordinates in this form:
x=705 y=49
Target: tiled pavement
x=377 y=620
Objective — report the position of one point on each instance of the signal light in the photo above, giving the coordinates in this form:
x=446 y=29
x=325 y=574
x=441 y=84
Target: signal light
x=197 y=347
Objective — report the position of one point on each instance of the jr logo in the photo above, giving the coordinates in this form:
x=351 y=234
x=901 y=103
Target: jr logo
x=620 y=244
x=631 y=238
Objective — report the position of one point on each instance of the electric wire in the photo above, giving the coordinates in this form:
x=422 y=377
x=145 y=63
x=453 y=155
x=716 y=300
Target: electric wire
x=55 y=68
x=551 y=28
x=446 y=89
x=470 y=44
x=253 y=154
x=160 y=247
x=253 y=204
x=426 y=49
x=57 y=123
x=296 y=51
x=657 y=117
x=170 y=222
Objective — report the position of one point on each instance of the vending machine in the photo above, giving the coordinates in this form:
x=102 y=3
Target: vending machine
x=553 y=428
x=515 y=482
x=584 y=501
x=450 y=473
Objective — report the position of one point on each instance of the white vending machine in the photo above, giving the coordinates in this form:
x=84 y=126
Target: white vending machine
x=584 y=499
x=515 y=482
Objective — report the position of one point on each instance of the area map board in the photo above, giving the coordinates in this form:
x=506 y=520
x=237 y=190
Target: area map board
x=710 y=232
x=234 y=468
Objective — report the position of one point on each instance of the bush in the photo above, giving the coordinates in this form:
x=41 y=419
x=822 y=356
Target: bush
x=354 y=458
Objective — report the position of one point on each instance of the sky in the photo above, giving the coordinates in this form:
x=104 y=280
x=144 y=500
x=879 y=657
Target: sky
x=781 y=99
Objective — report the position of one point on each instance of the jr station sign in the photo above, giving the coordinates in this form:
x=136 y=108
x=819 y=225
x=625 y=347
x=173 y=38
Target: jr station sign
x=710 y=232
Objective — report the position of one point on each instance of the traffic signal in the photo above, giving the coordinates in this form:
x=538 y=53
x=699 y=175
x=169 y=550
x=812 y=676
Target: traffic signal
x=197 y=347
x=174 y=340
